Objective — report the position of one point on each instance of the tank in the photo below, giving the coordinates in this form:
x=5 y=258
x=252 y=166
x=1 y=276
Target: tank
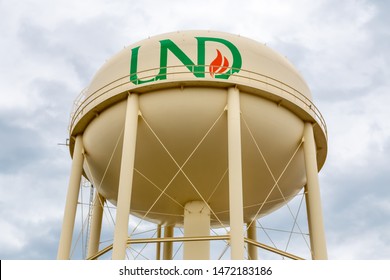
x=182 y=79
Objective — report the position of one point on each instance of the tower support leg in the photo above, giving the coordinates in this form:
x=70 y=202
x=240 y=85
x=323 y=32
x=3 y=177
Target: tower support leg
x=96 y=225
x=235 y=175
x=158 y=244
x=126 y=178
x=71 y=200
x=252 y=234
x=168 y=246
x=196 y=223
x=313 y=197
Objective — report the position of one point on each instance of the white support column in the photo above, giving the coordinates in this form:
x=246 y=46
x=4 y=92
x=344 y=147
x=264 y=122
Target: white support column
x=252 y=234
x=196 y=223
x=158 y=244
x=96 y=225
x=71 y=200
x=168 y=246
x=313 y=197
x=235 y=175
x=126 y=178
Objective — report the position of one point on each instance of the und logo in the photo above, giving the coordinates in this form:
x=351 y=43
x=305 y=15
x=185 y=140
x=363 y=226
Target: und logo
x=219 y=68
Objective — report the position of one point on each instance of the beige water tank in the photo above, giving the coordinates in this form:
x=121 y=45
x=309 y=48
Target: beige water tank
x=182 y=79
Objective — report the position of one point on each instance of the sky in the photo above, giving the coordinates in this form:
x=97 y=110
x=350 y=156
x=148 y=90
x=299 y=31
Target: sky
x=50 y=51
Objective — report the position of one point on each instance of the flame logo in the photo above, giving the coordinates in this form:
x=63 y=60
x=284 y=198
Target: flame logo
x=219 y=65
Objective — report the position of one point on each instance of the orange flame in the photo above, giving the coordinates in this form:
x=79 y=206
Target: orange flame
x=219 y=64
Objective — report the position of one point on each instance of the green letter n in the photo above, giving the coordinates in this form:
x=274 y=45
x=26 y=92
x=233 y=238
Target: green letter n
x=197 y=70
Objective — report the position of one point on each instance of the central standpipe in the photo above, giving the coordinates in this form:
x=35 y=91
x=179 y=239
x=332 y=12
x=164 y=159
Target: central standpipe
x=235 y=175
x=126 y=178
x=196 y=223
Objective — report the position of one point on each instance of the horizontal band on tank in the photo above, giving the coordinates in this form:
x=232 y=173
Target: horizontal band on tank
x=256 y=83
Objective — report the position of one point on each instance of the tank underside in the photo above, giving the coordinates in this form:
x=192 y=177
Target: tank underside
x=181 y=154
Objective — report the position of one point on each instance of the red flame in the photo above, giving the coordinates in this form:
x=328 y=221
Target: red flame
x=219 y=64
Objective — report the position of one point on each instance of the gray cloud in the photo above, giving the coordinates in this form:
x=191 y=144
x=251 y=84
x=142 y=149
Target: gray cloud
x=21 y=147
x=50 y=51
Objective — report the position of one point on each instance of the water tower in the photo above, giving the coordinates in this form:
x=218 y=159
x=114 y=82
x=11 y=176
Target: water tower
x=196 y=130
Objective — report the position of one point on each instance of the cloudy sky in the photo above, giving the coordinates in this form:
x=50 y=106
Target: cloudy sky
x=50 y=50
